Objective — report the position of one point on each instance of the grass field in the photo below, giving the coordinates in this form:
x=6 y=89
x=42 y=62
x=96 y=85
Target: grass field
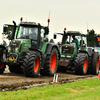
x=80 y=90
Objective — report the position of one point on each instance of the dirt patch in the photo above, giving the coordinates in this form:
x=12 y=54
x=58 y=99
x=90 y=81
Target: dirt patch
x=12 y=81
x=75 y=90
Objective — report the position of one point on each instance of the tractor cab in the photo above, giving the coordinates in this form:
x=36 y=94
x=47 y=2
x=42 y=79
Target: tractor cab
x=72 y=42
x=28 y=35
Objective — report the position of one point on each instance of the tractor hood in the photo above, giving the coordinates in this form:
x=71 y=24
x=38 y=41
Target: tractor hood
x=68 y=49
x=19 y=45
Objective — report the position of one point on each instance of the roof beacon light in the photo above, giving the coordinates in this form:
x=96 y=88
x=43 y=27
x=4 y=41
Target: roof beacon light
x=48 y=20
x=64 y=28
x=21 y=19
x=87 y=30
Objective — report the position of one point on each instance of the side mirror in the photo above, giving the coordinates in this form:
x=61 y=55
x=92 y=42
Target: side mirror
x=55 y=36
x=46 y=30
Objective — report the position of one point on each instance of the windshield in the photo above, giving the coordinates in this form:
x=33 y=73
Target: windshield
x=68 y=39
x=25 y=32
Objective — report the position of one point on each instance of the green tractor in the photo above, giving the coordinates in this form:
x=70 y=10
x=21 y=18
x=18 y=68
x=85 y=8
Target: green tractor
x=77 y=56
x=29 y=51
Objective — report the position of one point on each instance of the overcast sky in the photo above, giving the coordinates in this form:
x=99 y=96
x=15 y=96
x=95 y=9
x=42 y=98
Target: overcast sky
x=72 y=14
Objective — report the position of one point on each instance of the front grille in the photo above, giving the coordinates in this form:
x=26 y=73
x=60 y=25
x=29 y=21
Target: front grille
x=14 y=44
x=67 y=49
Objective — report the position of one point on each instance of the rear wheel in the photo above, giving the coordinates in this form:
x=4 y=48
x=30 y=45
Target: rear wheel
x=81 y=64
x=32 y=64
x=51 y=63
x=95 y=63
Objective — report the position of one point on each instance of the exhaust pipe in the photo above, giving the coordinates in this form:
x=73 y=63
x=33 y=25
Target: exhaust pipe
x=14 y=29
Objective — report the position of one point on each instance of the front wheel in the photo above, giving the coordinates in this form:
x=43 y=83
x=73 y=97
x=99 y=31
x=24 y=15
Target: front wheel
x=32 y=64
x=81 y=64
x=51 y=63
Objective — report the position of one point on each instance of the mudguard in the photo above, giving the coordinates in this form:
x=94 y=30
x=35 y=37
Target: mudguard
x=49 y=47
x=89 y=52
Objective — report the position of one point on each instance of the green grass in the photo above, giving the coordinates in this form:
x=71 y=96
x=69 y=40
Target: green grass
x=80 y=90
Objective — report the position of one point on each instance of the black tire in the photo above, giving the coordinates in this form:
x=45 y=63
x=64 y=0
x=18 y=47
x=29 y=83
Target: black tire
x=81 y=64
x=2 y=65
x=50 y=69
x=95 y=64
x=32 y=64
x=90 y=59
x=1 y=51
x=15 y=69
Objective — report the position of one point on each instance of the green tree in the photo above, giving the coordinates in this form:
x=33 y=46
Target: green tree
x=4 y=43
x=91 y=42
x=91 y=32
x=8 y=31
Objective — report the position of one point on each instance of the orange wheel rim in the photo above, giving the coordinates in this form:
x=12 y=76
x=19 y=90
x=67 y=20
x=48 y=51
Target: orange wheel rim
x=36 y=67
x=97 y=67
x=85 y=64
x=53 y=62
x=2 y=65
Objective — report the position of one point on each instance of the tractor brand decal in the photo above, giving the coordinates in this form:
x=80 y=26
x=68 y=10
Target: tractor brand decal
x=27 y=45
x=65 y=49
x=68 y=49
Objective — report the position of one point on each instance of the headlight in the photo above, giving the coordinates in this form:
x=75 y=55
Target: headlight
x=62 y=55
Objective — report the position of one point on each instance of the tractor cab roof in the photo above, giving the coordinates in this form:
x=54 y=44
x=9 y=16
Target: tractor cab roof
x=70 y=33
x=29 y=23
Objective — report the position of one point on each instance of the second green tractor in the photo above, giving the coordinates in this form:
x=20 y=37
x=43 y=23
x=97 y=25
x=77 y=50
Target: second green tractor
x=77 y=57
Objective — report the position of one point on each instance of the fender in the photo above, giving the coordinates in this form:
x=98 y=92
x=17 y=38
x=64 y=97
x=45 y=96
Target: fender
x=89 y=52
x=50 y=46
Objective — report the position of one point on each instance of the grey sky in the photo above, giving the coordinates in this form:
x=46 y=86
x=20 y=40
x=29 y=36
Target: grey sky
x=72 y=14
